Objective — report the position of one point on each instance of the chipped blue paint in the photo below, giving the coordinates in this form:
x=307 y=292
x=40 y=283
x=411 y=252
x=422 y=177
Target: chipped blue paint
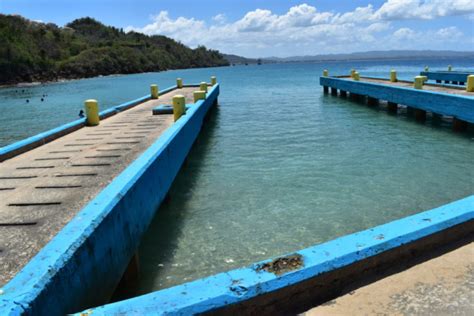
x=459 y=106
x=45 y=137
x=244 y=284
x=447 y=76
x=83 y=263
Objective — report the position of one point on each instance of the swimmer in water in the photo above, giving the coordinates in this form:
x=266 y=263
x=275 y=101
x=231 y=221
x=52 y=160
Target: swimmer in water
x=81 y=113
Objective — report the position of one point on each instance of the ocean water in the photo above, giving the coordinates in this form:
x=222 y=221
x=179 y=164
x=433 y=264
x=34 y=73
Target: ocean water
x=279 y=165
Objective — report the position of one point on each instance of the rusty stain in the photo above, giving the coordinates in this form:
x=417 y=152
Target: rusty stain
x=283 y=264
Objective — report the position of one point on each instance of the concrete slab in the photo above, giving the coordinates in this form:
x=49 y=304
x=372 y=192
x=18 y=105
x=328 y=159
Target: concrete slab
x=429 y=87
x=42 y=189
x=441 y=286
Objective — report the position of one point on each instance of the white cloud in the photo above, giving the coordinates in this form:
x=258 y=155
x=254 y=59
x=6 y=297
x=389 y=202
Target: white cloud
x=305 y=30
x=220 y=18
x=423 y=9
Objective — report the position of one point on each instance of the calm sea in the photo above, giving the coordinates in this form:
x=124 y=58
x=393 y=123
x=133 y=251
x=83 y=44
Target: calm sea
x=278 y=167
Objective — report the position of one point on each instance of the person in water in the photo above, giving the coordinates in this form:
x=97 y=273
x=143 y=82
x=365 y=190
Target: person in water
x=81 y=113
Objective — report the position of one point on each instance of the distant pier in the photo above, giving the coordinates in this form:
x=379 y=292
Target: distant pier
x=440 y=100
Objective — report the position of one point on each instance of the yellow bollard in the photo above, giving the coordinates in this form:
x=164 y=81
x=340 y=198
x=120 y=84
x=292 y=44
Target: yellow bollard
x=418 y=83
x=393 y=76
x=179 y=106
x=203 y=86
x=213 y=80
x=154 y=91
x=325 y=73
x=425 y=79
x=92 y=112
x=199 y=95
x=450 y=68
x=427 y=68
x=470 y=83
x=353 y=71
x=356 y=76
x=179 y=83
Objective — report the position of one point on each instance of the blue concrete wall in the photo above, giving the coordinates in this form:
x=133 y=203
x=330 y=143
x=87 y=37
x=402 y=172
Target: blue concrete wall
x=447 y=75
x=24 y=145
x=248 y=283
x=461 y=107
x=84 y=262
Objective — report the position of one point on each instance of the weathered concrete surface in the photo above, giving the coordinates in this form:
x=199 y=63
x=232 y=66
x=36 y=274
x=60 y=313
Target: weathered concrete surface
x=441 y=286
x=41 y=190
x=429 y=87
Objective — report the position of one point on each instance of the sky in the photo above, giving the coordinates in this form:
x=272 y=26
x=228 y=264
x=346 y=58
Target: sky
x=279 y=28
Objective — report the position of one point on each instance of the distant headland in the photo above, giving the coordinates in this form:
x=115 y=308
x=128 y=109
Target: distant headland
x=31 y=51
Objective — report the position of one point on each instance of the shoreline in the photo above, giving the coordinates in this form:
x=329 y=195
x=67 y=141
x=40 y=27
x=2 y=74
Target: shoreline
x=63 y=80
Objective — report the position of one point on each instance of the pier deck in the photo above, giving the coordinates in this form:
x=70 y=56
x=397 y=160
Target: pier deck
x=42 y=189
x=408 y=84
x=440 y=286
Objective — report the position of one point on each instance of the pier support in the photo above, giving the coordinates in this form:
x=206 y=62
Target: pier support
x=439 y=81
x=459 y=125
x=420 y=115
x=372 y=101
x=392 y=107
x=128 y=285
x=343 y=93
x=436 y=118
x=333 y=91
x=357 y=97
x=326 y=89
x=410 y=111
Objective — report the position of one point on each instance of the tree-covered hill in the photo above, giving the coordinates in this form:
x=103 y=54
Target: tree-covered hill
x=32 y=51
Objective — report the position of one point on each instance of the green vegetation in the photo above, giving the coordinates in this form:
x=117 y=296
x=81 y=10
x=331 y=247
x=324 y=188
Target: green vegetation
x=31 y=51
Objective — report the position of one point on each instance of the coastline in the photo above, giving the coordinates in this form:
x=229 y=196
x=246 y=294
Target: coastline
x=26 y=84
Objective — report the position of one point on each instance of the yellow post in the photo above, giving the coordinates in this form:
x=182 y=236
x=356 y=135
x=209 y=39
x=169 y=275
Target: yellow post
x=92 y=112
x=179 y=106
x=199 y=95
x=325 y=73
x=213 y=80
x=427 y=68
x=353 y=71
x=450 y=68
x=356 y=76
x=418 y=84
x=203 y=86
x=154 y=91
x=470 y=83
x=425 y=79
x=179 y=83
x=393 y=76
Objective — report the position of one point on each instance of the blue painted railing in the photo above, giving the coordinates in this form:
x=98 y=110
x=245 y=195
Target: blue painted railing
x=459 y=77
x=82 y=265
x=240 y=285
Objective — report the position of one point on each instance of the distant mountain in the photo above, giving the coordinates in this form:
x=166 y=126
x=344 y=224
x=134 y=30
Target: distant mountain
x=239 y=60
x=378 y=55
x=32 y=51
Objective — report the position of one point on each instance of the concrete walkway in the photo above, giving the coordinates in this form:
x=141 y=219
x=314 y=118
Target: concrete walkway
x=43 y=189
x=441 y=286
x=458 y=90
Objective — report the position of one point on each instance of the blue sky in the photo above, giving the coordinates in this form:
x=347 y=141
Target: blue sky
x=276 y=28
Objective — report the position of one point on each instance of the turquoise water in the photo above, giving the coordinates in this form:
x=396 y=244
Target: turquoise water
x=278 y=167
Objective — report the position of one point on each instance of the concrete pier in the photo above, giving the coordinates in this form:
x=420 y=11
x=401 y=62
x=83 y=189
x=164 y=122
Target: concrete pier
x=449 y=101
x=42 y=189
